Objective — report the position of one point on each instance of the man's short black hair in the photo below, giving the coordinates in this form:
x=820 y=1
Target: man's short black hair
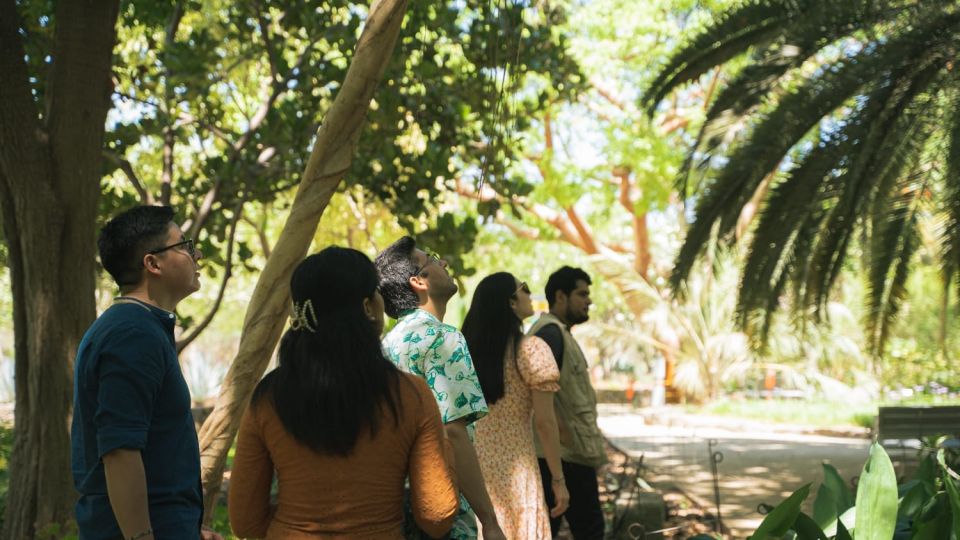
x=395 y=266
x=127 y=238
x=565 y=279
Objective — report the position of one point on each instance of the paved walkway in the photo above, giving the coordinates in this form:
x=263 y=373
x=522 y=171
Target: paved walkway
x=761 y=463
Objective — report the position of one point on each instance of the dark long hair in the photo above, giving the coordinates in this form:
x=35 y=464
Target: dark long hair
x=333 y=380
x=491 y=327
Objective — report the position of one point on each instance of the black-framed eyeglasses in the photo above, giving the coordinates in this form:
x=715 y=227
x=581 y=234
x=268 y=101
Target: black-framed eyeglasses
x=191 y=249
x=523 y=287
x=431 y=258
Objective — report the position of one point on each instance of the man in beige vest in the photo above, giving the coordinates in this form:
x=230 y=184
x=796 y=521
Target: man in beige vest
x=582 y=447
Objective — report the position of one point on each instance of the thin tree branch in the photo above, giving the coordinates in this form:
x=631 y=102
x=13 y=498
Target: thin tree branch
x=124 y=165
x=169 y=105
x=641 y=236
x=261 y=234
x=583 y=230
x=267 y=39
x=357 y=207
x=227 y=274
x=611 y=97
x=166 y=176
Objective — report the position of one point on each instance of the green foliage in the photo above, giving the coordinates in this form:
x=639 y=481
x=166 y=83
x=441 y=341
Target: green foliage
x=783 y=517
x=6 y=445
x=221 y=521
x=927 y=507
x=850 y=101
x=216 y=105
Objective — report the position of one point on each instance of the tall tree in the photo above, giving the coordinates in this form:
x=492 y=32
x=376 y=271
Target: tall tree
x=857 y=101
x=52 y=114
x=216 y=104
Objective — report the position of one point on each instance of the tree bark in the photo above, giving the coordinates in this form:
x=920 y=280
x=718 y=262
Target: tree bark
x=641 y=235
x=49 y=187
x=330 y=159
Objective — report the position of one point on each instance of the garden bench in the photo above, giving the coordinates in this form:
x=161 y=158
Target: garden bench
x=897 y=426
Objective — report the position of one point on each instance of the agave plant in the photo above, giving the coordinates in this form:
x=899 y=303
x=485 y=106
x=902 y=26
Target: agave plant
x=855 y=102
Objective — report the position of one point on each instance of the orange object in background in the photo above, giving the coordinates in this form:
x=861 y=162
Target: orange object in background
x=769 y=383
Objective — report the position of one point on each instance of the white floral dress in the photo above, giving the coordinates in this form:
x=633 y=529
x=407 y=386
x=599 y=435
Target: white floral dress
x=504 y=442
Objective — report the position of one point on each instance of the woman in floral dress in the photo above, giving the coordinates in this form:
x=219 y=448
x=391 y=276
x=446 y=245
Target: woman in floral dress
x=519 y=377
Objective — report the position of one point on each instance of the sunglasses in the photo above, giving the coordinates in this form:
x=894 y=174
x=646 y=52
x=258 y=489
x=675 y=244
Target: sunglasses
x=431 y=258
x=523 y=287
x=190 y=248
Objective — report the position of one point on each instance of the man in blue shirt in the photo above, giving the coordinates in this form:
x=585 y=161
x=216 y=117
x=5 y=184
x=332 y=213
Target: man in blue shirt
x=136 y=459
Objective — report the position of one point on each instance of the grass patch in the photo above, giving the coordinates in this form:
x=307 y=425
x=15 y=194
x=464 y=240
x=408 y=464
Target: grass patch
x=813 y=413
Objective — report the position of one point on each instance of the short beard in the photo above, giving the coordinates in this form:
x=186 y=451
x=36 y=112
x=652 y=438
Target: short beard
x=443 y=294
x=573 y=319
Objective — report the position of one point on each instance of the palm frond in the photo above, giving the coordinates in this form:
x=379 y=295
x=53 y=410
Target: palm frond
x=730 y=35
x=855 y=135
x=950 y=206
x=887 y=139
x=793 y=207
x=893 y=247
x=801 y=39
x=773 y=136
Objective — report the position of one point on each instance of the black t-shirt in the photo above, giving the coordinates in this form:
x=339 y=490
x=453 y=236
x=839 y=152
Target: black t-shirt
x=552 y=334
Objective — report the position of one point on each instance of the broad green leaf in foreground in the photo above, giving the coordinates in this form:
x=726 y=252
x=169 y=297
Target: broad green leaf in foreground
x=781 y=518
x=808 y=529
x=838 y=488
x=846 y=522
x=877 y=497
x=824 y=506
x=953 y=491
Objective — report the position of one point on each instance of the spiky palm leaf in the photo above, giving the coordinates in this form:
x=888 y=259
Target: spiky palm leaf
x=848 y=95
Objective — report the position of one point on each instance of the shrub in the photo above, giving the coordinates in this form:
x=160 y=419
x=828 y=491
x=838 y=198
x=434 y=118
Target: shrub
x=927 y=507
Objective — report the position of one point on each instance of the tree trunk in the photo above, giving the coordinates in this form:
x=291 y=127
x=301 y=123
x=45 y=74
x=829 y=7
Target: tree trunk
x=269 y=308
x=49 y=186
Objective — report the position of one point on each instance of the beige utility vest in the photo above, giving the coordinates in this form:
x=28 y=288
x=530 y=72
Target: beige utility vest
x=575 y=404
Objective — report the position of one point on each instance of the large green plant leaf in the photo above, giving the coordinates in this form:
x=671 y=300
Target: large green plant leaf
x=781 y=518
x=824 y=506
x=845 y=522
x=927 y=470
x=833 y=499
x=840 y=489
x=934 y=521
x=877 y=497
x=913 y=500
x=953 y=492
x=842 y=532
x=808 y=529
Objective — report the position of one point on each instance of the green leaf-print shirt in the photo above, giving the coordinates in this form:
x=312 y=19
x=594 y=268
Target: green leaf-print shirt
x=422 y=345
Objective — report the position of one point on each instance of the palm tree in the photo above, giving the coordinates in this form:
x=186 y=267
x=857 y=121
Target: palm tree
x=855 y=103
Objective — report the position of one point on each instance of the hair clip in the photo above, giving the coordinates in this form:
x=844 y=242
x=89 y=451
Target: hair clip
x=304 y=317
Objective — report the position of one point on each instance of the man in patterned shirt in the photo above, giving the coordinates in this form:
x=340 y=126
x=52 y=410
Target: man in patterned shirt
x=416 y=288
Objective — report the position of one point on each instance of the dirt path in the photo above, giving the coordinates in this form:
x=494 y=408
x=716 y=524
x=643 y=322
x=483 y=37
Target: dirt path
x=759 y=465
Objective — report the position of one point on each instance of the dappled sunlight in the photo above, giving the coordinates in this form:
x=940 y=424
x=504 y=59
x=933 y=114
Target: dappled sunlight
x=758 y=467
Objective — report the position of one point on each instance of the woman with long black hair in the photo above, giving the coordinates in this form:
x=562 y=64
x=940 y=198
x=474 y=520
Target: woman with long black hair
x=341 y=426
x=519 y=377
